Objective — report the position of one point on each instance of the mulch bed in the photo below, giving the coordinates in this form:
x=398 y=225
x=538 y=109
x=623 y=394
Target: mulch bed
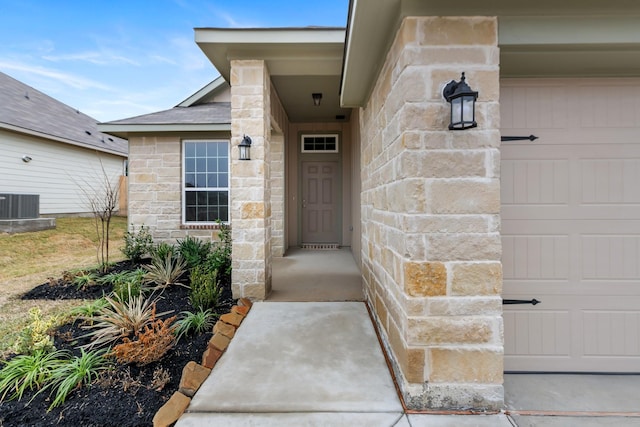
x=128 y=395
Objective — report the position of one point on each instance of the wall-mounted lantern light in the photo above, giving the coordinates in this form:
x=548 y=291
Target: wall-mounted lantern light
x=317 y=97
x=26 y=158
x=463 y=104
x=245 y=148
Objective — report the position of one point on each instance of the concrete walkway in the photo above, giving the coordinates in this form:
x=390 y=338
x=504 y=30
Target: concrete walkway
x=308 y=364
x=320 y=364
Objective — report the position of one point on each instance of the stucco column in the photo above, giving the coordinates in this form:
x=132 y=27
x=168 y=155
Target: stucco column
x=431 y=205
x=250 y=180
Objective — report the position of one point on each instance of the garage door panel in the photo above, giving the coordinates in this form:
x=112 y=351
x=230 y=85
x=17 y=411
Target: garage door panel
x=535 y=256
x=614 y=257
x=609 y=181
x=594 y=335
x=611 y=333
x=571 y=224
x=537 y=332
x=534 y=182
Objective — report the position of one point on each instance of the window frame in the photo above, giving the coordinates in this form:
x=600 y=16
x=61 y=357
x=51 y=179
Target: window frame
x=185 y=189
x=316 y=135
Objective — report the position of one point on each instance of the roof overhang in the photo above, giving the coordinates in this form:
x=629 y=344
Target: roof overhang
x=126 y=130
x=301 y=61
x=544 y=38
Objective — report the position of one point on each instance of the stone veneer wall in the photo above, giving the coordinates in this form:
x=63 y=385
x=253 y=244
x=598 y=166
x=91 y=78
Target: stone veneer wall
x=430 y=215
x=280 y=124
x=251 y=181
x=155 y=186
x=277 y=195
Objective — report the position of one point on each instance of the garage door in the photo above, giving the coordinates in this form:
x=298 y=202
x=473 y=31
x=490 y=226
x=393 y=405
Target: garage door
x=571 y=224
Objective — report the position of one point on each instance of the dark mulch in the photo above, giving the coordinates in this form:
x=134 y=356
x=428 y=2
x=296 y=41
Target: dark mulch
x=128 y=395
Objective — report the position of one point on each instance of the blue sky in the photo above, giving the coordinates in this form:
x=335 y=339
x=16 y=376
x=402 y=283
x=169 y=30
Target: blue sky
x=113 y=59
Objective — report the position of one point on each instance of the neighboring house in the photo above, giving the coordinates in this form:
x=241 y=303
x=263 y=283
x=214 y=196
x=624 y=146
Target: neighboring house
x=443 y=224
x=54 y=151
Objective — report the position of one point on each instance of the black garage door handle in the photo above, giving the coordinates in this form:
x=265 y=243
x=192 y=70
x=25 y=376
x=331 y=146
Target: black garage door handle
x=521 y=301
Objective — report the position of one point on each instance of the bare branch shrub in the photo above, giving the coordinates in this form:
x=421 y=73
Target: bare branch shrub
x=103 y=201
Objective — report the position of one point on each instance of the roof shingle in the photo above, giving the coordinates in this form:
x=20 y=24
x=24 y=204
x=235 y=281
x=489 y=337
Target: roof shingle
x=25 y=108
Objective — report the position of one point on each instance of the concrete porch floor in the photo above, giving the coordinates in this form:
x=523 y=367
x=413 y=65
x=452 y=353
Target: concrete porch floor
x=316 y=275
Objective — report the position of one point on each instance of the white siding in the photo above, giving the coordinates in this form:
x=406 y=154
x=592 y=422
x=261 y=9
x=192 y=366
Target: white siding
x=63 y=175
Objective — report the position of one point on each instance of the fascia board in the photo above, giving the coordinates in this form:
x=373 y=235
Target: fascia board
x=123 y=131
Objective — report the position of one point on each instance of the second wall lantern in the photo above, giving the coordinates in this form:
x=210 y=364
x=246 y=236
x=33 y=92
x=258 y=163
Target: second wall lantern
x=245 y=148
x=463 y=104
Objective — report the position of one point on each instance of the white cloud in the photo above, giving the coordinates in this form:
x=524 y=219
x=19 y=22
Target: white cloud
x=159 y=58
x=93 y=57
x=230 y=20
x=71 y=80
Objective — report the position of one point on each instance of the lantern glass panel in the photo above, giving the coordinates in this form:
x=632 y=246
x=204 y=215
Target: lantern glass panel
x=244 y=152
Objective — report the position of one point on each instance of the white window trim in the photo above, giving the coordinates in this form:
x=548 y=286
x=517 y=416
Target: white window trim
x=314 y=135
x=183 y=201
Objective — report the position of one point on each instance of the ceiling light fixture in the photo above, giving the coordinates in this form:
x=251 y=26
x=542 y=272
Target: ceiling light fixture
x=317 y=97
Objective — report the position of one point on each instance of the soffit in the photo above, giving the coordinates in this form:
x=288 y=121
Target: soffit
x=301 y=61
x=541 y=38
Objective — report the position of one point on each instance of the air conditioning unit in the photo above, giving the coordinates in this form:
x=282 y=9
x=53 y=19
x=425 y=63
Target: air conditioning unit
x=19 y=206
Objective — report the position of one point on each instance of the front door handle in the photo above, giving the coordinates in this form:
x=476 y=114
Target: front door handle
x=304 y=203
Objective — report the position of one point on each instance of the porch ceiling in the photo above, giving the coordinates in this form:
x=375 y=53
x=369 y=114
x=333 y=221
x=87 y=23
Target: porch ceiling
x=545 y=38
x=301 y=61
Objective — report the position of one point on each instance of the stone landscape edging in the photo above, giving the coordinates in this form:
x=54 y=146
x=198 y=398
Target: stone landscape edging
x=194 y=374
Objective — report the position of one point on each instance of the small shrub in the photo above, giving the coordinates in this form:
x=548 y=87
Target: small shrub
x=161 y=378
x=196 y=322
x=129 y=289
x=137 y=244
x=74 y=373
x=194 y=251
x=220 y=256
x=27 y=372
x=162 y=249
x=121 y=318
x=125 y=283
x=205 y=291
x=166 y=271
x=150 y=345
x=90 y=309
x=122 y=277
x=84 y=279
x=35 y=336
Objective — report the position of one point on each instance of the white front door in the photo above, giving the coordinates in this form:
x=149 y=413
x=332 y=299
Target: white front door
x=571 y=224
